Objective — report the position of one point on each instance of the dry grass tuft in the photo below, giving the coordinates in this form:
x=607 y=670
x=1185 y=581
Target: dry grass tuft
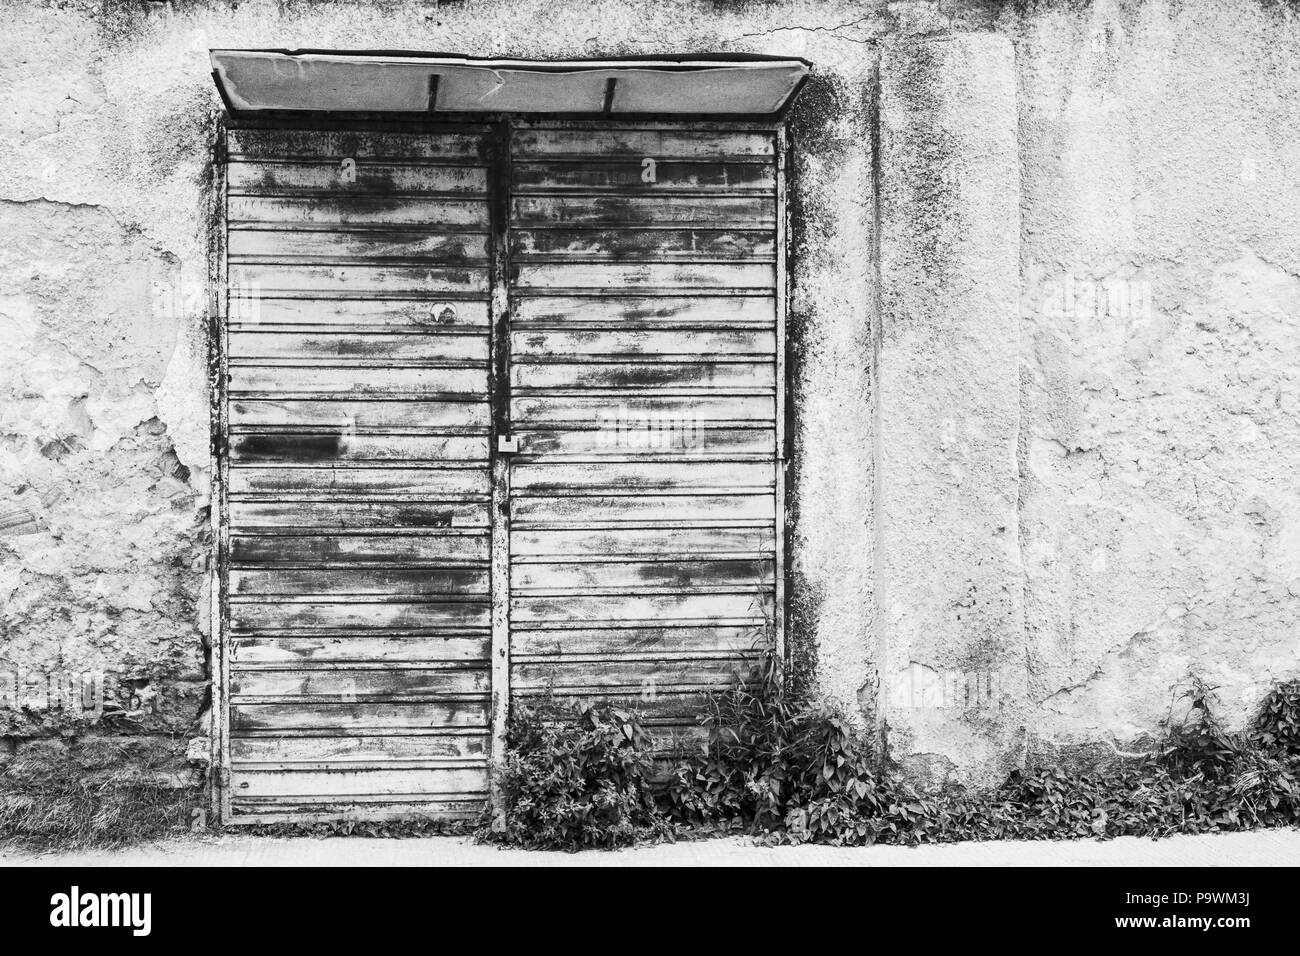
x=53 y=803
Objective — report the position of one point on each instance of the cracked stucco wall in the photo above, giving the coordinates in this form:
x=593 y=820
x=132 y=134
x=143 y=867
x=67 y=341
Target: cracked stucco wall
x=1156 y=517
x=949 y=584
x=1160 y=518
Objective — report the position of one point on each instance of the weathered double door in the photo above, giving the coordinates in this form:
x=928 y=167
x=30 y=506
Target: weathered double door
x=501 y=418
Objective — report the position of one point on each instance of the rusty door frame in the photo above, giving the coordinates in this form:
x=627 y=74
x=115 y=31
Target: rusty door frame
x=499 y=377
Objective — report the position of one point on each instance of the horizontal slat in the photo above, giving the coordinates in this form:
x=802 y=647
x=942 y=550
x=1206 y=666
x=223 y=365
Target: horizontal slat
x=264 y=313
x=635 y=575
x=527 y=644
x=358 y=144
x=638 y=143
x=268 y=811
x=641 y=245
x=645 y=275
x=357 y=648
x=359 y=549
x=343 y=749
x=352 y=279
x=399 y=347
x=632 y=439
x=320 y=447
x=353 y=717
x=357 y=683
x=272 y=177
x=664 y=376
x=311 y=381
x=647 y=678
x=635 y=174
x=271 y=245
x=644 y=312
x=362 y=416
x=742 y=212
x=338 y=582
x=740 y=608
x=432 y=483
x=560 y=478
x=357 y=210
x=251 y=616
x=663 y=711
x=632 y=508
x=460 y=782
x=641 y=413
x=356 y=514
x=685 y=543
x=611 y=344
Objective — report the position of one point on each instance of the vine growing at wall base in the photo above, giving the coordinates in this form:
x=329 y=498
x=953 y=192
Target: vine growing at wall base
x=788 y=771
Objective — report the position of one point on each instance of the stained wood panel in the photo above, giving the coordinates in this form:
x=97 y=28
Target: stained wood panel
x=596 y=144
x=644 y=212
x=666 y=245
x=308 y=718
x=363 y=279
x=643 y=394
x=249 y=309
x=425 y=346
x=467 y=484
x=357 y=486
x=352 y=547
x=296 y=581
x=677 y=311
x=374 y=246
x=465 y=148
x=557 y=173
x=631 y=344
x=269 y=177
x=359 y=414
x=280 y=651
x=359 y=209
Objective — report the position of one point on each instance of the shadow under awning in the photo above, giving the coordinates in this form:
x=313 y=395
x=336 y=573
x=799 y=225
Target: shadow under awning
x=260 y=80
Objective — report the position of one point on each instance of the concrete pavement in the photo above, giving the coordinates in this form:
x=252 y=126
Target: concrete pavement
x=1257 y=848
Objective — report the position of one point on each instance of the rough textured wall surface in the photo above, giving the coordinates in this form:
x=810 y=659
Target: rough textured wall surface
x=1157 y=439
x=1160 y=513
x=948 y=578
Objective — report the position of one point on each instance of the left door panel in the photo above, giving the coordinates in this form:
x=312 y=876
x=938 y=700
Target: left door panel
x=356 y=531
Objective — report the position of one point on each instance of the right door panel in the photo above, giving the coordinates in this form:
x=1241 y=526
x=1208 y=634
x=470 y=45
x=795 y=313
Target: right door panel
x=644 y=378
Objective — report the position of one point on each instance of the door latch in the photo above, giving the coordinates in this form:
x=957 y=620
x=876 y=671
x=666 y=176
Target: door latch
x=507 y=445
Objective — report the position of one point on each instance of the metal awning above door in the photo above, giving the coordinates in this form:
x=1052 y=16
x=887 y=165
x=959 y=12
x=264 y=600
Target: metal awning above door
x=262 y=80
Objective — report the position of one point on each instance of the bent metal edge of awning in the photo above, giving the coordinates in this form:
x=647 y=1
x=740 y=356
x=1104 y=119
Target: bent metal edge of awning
x=263 y=80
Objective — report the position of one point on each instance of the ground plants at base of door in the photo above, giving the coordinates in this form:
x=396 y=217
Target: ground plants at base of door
x=573 y=784
x=788 y=773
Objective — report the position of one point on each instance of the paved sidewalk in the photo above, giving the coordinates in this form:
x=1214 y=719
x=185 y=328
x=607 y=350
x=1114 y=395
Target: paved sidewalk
x=1258 y=848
